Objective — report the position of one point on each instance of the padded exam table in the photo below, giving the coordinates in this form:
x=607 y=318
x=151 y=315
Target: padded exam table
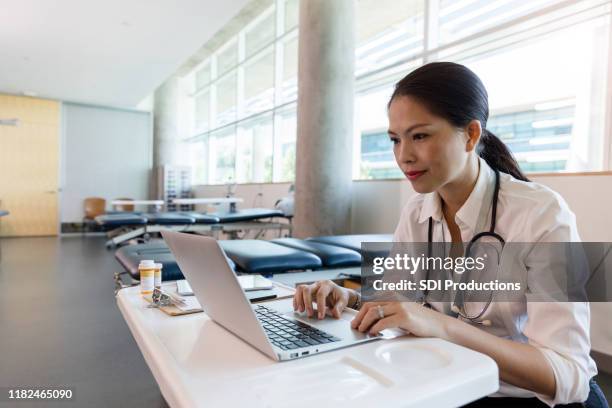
x=197 y=363
x=285 y=258
x=123 y=227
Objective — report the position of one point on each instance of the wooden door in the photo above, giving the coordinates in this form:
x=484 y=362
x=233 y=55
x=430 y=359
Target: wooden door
x=29 y=166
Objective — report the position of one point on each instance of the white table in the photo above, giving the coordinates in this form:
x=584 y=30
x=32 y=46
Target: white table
x=197 y=363
x=211 y=201
x=157 y=203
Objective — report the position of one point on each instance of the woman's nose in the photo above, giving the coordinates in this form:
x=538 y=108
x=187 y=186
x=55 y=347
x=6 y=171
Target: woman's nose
x=404 y=153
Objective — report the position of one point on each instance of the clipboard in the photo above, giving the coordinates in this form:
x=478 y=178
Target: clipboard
x=282 y=292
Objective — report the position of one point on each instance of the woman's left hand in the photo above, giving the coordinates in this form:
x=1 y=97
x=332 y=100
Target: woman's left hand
x=412 y=317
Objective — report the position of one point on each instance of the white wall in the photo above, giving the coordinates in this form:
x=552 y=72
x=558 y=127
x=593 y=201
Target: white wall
x=105 y=153
x=590 y=197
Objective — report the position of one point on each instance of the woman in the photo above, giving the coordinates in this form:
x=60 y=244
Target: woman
x=437 y=124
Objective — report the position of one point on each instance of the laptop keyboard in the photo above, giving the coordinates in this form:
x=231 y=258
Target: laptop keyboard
x=289 y=334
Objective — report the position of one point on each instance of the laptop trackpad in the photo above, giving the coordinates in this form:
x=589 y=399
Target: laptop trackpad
x=338 y=327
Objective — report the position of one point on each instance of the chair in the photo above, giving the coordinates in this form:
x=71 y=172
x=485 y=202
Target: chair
x=93 y=207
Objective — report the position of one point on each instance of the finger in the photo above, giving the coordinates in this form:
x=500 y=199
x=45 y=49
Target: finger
x=339 y=306
x=362 y=312
x=308 y=293
x=368 y=319
x=357 y=319
x=372 y=317
x=299 y=298
x=386 y=323
x=321 y=296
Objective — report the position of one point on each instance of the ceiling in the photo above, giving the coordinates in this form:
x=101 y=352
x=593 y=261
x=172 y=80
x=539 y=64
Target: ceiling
x=104 y=52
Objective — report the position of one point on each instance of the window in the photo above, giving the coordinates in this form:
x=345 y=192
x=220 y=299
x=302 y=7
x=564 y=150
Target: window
x=261 y=34
x=289 y=80
x=226 y=99
x=243 y=97
x=552 y=103
x=202 y=110
x=461 y=18
x=202 y=76
x=291 y=14
x=259 y=83
x=222 y=155
x=543 y=63
x=255 y=150
x=387 y=31
x=228 y=58
x=375 y=154
x=285 y=144
x=540 y=138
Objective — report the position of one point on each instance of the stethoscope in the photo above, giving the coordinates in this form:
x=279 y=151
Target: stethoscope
x=458 y=305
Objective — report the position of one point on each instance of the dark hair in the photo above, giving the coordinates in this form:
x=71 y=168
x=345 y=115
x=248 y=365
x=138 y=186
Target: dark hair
x=456 y=94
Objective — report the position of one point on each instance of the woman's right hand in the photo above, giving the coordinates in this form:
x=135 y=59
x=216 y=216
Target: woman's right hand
x=326 y=294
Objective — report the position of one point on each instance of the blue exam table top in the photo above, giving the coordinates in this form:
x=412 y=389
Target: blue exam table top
x=352 y=241
x=117 y=220
x=130 y=256
x=330 y=255
x=201 y=218
x=169 y=218
x=257 y=256
x=247 y=214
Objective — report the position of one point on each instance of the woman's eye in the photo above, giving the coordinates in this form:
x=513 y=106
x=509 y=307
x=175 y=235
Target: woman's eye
x=419 y=136
x=394 y=140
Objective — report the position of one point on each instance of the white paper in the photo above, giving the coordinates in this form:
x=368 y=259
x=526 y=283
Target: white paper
x=191 y=303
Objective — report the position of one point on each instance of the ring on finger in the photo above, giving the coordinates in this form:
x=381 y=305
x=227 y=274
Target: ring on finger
x=381 y=312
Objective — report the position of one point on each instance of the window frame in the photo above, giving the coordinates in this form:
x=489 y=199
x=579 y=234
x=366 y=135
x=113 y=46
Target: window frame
x=432 y=49
x=279 y=106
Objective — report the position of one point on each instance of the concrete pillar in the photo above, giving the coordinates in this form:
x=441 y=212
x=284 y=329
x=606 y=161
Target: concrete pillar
x=166 y=129
x=325 y=118
x=166 y=122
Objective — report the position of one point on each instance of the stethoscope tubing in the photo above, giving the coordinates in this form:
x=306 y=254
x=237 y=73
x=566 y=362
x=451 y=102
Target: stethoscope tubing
x=475 y=238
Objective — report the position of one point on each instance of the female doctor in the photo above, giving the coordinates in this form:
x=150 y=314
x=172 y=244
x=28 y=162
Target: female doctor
x=437 y=124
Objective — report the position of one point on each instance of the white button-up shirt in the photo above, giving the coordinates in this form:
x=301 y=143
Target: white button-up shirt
x=526 y=212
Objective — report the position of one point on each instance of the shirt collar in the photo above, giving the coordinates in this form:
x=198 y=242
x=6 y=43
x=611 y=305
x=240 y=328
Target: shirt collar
x=471 y=212
x=431 y=207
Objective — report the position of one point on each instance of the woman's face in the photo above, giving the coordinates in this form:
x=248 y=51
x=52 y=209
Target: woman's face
x=428 y=149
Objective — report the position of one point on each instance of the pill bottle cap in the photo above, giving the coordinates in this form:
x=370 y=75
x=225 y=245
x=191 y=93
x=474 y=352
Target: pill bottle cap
x=147 y=263
x=158 y=266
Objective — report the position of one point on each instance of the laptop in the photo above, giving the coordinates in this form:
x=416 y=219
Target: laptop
x=271 y=327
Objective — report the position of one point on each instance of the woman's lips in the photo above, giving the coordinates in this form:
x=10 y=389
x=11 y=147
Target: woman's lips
x=413 y=175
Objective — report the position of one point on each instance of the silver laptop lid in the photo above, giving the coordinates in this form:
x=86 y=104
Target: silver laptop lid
x=216 y=287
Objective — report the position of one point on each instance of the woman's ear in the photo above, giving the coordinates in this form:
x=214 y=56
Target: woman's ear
x=473 y=132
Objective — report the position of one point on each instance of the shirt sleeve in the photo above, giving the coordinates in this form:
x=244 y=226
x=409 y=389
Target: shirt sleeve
x=560 y=330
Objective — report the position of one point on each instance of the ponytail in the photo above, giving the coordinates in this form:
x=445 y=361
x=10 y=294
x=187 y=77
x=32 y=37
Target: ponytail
x=453 y=92
x=497 y=155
